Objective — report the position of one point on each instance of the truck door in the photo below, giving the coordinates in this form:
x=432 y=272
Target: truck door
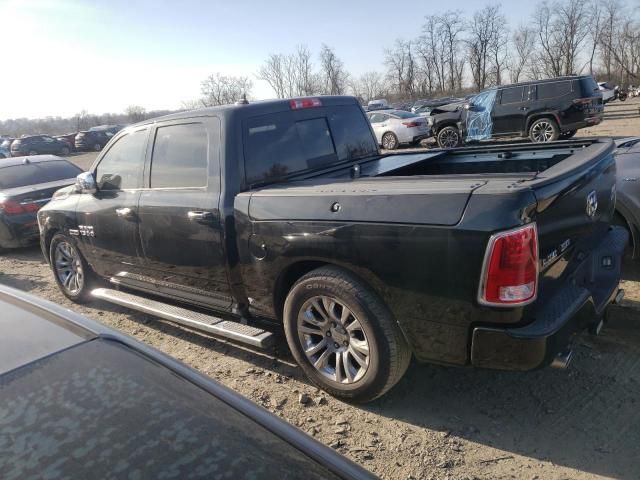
x=181 y=231
x=107 y=220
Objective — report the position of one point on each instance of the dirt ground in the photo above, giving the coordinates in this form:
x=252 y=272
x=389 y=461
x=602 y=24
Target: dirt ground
x=438 y=423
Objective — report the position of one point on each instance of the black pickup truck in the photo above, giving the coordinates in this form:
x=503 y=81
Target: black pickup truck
x=286 y=212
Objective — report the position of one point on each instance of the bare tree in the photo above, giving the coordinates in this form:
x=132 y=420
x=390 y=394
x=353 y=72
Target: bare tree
x=522 y=46
x=594 y=30
x=369 y=86
x=334 y=76
x=135 y=113
x=218 y=89
x=401 y=67
x=431 y=52
x=273 y=72
x=306 y=81
x=80 y=120
x=486 y=42
x=451 y=27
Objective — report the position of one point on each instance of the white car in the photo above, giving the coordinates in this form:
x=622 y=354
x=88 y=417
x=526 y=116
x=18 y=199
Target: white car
x=393 y=127
x=607 y=90
x=377 y=104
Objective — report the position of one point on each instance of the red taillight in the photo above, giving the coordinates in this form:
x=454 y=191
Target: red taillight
x=411 y=124
x=9 y=207
x=510 y=270
x=305 y=103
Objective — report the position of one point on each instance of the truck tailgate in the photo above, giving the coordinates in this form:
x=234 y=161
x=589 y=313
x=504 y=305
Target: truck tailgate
x=576 y=201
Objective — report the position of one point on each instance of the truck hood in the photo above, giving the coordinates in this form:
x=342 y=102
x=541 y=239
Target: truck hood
x=387 y=200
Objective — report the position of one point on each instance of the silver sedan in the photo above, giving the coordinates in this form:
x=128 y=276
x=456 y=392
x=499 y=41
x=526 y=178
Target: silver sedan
x=394 y=127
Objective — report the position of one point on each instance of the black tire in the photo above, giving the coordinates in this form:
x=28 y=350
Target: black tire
x=390 y=141
x=449 y=137
x=620 y=221
x=89 y=278
x=97 y=147
x=33 y=153
x=544 y=130
x=568 y=135
x=388 y=353
x=65 y=151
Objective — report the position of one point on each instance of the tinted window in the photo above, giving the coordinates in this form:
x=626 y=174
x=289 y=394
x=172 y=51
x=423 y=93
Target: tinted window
x=283 y=143
x=34 y=173
x=121 y=166
x=351 y=133
x=277 y=145
x=553 y=89
x=376 y=118
x=512 y=95
x=588 y=86
x=180 y=156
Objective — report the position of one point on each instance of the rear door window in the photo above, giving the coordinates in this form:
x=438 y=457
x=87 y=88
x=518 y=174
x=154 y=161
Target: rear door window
x=553 y=89
x=35 y=173
x=179 y=158
x=121 y=167
x=512 y=95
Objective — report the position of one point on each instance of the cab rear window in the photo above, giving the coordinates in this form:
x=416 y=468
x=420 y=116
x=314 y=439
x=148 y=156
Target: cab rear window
x=279 y=144
x=35 y=173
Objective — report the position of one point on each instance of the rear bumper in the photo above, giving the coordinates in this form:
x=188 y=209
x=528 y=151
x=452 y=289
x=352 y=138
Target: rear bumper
x=20 y=231
x=570 y=310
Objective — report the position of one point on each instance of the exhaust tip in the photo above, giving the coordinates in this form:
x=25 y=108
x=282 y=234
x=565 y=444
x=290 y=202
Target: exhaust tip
x=562 y=360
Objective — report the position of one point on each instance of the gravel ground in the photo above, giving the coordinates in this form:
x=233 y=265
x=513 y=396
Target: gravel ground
x=439 y=422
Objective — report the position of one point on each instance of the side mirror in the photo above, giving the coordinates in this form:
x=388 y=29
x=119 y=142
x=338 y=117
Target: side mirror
x=86 y=183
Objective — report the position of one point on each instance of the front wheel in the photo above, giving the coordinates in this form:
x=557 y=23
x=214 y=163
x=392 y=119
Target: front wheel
x=343 y=336
x=97 y=147
x=544 y=130
x=449 y=137
x=70 y=270
x=65 y=151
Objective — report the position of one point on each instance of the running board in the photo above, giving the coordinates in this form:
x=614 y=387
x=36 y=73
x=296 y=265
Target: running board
x=216 y=326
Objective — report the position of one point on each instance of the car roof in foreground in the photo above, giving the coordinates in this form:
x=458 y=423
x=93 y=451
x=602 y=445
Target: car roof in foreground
x=13 y=161
x=101 y=404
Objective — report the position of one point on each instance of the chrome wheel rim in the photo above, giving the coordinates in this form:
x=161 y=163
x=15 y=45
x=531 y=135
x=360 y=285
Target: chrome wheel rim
x=449 y=139
x=389 y=141
x=68 y=267
x=333 y=340
x=542 y=132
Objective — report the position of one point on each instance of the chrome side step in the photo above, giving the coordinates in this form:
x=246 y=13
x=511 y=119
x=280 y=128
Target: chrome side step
x=216 y=326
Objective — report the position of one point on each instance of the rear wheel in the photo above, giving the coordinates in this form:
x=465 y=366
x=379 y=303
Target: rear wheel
x=65 y=151
x=70 y=270
x=97 y=147
x=343 y=336
x=544 y=130
x=449 y=137
x=390 y=141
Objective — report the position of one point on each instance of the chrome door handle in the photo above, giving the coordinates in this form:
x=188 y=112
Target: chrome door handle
x=124 y=212
x=630 y=179
x=200 y=217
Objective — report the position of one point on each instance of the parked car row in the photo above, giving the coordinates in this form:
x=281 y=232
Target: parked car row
x=543 y=111
x=93 y=139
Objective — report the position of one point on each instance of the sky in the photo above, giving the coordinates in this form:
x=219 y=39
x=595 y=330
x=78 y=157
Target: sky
x=63 y=56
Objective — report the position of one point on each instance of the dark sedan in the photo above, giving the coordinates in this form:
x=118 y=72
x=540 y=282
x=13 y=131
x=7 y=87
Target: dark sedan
x=39 y=145
x=628 y=189
x=26 y=184
x=82 y=401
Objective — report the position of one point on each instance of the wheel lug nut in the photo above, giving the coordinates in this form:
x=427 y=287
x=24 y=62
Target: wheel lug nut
x=345 y=343
x=328 y=334
x=336 y=345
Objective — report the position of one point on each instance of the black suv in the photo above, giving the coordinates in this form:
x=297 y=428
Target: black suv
x=38 y=145
x=543 y=110
x=95 y=138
